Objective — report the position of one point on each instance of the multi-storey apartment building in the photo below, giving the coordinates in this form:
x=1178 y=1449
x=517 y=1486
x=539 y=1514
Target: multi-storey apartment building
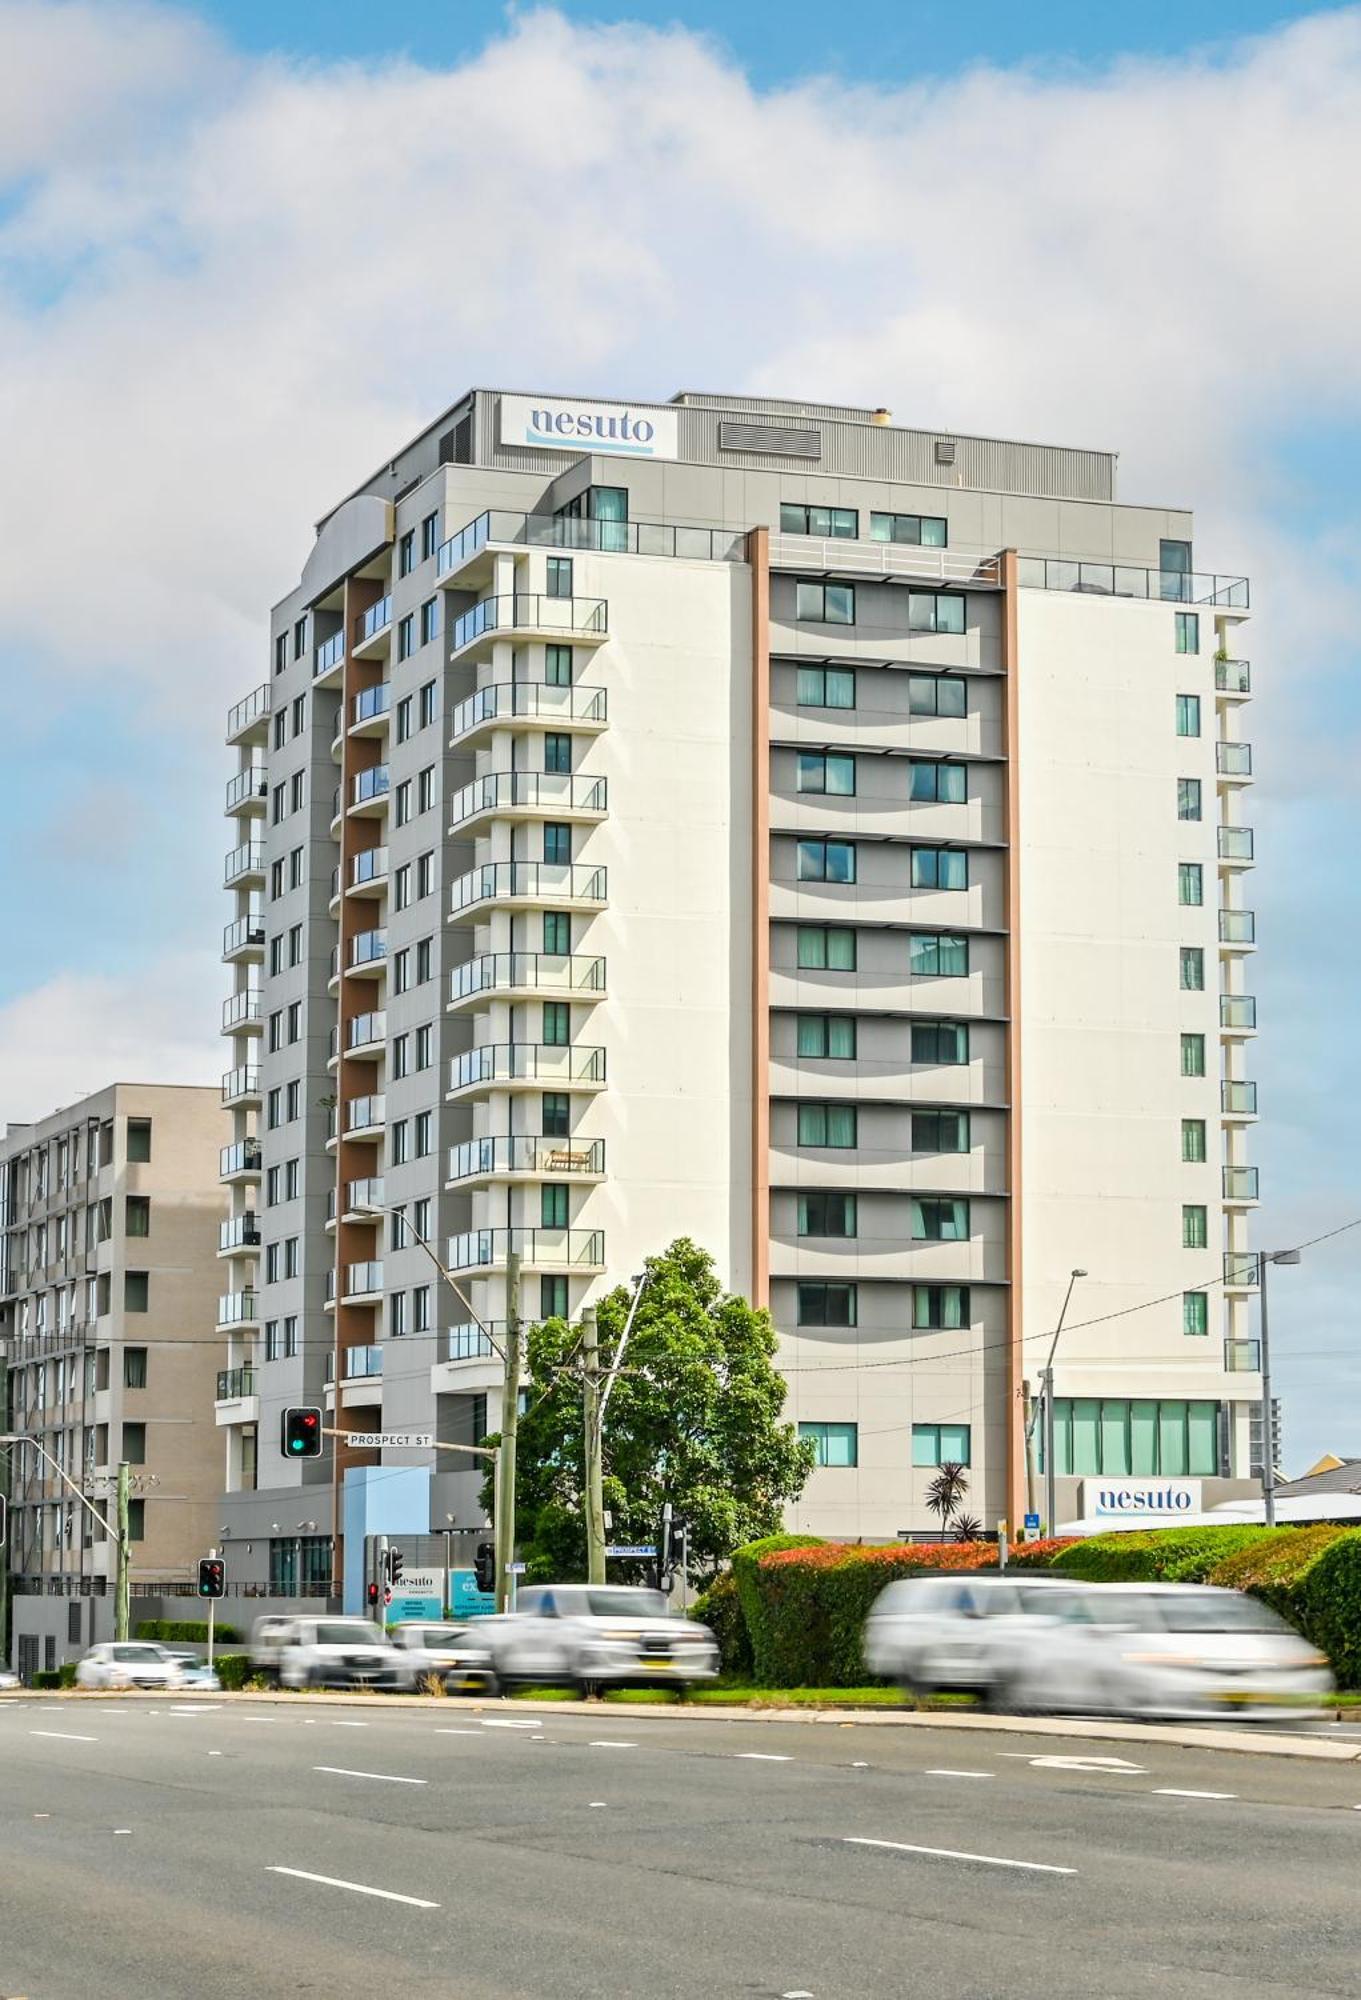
x=752 y=820
x=110 y=1212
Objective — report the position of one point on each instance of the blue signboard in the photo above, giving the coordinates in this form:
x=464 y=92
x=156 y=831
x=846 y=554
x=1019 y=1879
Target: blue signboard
x=465 y=1599
x=1032 y=1520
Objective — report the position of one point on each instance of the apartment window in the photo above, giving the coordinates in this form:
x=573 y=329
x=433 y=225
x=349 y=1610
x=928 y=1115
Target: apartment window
x=249 y=1458
x=401 y=970
x=557 y=841
x=429 y=536
x=932 y=956
x=825 y=603
x=940 y=868
x=271 y=1263
x=831 y=1125
x=940 y=1131
x=1195 y=1313
x=404 y=712
x=406 y=553
x=426 y=713
x=425 y=789
x=276 y=957
x=276 y=1032
x=272 y=1347
x=559 y=576
x=401 y=802
x=297 y=791
x=1188 y=715
x=1187 y=631
x=840 y=522
x=406 y=636
x=137 y=1520
x=938 y=1220
x=926 y=531
x=1195 y=1226
x=401 y=1057
x=939 y=1307
x=134 y=1367
x=1190 y=883
x=274 y=1108
x=290 y=1336
x=280 y=652
x=277 y=804
x=295 y=944
x=136 y=1291
x=936 y=783
x=826 y=687
x=826 y=861
x=553 y=1296
x=291 y=1257
x=1193 y=1143
x=276 y=880
x=429 y=620
x=292 y=1100
x=830 y=1035
x=556 y=1023
x=401 y=1143
x=826 y=1305
x=425 y=1046
x=837 y=1444
x=139 y=1141
x=1135 y=1439
x=940 y=1042
x=825 y=948
x=401 y=886
x=397 y=1233
x=557 y=932
x=934 y=611
x=420 y=1219
x=299 y=638
x=280 y=729
x=292 y=1174
x=272 y=1185
x=941 y=1444
x=299 y=713
x=553 y=1205
x=1188 y=798
x=557 y=666
x=397 y=1315
x=1193 y=1055
x=557 y=752
x=137 y=1219
x=423 y=1132
x=829 y=1214
x=425 y=960
x=1192 y=969
x=294 y=1021
x=420 y=1309
x=937 y=694
x=829 y=773
x=295 y=867
x=554 y=1115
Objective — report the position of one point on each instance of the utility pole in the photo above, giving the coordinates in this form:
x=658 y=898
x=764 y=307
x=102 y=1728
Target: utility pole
x=591 y=1415
x=122 y=1595
x=510 y=1424
x=1265 y=1257
x=1047 y=1381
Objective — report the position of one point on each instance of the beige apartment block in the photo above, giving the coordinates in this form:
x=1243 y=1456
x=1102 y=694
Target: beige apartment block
x=110 y=1220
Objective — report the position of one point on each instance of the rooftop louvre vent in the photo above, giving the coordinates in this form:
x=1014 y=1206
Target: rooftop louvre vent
x=945 y=451
x=773 y=440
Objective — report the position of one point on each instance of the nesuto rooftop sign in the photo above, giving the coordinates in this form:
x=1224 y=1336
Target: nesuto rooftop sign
x=619 y=428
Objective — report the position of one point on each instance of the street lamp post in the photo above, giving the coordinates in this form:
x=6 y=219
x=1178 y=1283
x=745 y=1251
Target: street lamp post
x=1265 y=1257
x=1047 y=1392
x=117 y=1529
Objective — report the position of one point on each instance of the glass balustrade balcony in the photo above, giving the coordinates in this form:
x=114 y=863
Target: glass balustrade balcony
x=242 y=863
x=470 y=1342
x=372 y=623
x=1240 y=1270
x=238 y=1309
x=1237 y=1013
x=531 y=794
x=370 y=948
x=363 y=1195
x=506 y=702
x=250 y=716
x=581 y=620
x=241 y=1010
x=1240 y=1184
x=367 y=1031
x=513 y=973
x=538 y=1249
x=501 y=527
x=362 y=1280
x=241 y=1160
x=245 y=939
x=1238 y=1099
x=365 y=1115
x=549 y=1065
x=248 y=791
x=1100 y=579
x=329 y=656
x=1242 y=1357
x=370 y=704
x=527 y=1156
x=1237 y=927
x=239 y=1232
x=369 y=788
x=1233 y=760
x=235 y=1383
x=563 y=884
x=1234 y=843
x=239 y=1084
x=1233 y=677
x=369 y=870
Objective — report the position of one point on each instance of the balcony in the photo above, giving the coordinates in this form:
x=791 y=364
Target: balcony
x=532 y=1065
x=367 y=1034
x=244 y=864
x=233 y=1384
x=1237 y=1014
x=240 y=1162
x=373 y=624
x=501 y=528
x=580 y=620
x=1233 y=762
x=238 y=1309
x=368 y=953
x=523 y=975
x=583 y=709
x=248 y=791
x=369 y=709
x=361 y=1197
x=363 y=1283
x=1229 y=593
x=368 y=872
x=239 y=1232
x=369 y=789
x=241 y=1086
x=1237 y=1099
x=581 y=1250
x=529 y=885
x=1234 y=845
x=1237 y=928
x=329 y=657
x=529 y=795
x=1242 y=1357
x=241 y=1012
x=358 y=1364
x=249 y=717
x=527 y=1156
x=365 y=1117
x=1240 y=1270
x=469 y=1342
x=1233 y=677
x=845 y=556
x=1240 y=1184
x=244 y=940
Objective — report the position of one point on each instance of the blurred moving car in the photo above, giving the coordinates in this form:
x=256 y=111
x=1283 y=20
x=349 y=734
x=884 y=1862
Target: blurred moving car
x=458 y=1657
x=128 y=1663
x=935 y=1634
x=585 y=1634
x=196 y=1671
x=326 y=1652
x=8 y=1681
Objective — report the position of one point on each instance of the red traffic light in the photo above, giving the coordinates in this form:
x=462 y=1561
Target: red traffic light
x=373 y=1593
x=301 y=1432
x=212 y=1577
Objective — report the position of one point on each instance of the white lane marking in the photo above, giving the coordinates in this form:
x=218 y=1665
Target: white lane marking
x=762 y=1757
x=349 y=1725
x=122 y=1829
x=214 y=1753
x=383 y=1777
x=65 y=1735
x=1172 y=1792
x=941 y=1772
x=860 y=1765
x=955 y=1854
x=1112 y=1766
x=609 y=1743
x=359 y=1888
x=455 y=1732
x=595 y=1803
x=499 y=1722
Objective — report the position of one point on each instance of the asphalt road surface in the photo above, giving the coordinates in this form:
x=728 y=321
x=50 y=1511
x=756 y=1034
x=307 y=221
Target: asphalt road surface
x=187 y=1849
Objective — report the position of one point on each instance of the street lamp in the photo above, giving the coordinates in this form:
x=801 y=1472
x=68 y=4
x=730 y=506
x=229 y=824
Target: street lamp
x=1047 y=1393
x=1265 y=1257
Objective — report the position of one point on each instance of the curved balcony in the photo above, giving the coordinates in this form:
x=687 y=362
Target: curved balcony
x=357 y=1364
x=581 y=1250
x=580 y=710
x=524 y=975
x=369 y=710
x=368 y=872
x=248 y=720
x=529 y=795
x=527 y=1066
x=239 y=1233
x=529 y=885
x=241 y=1012
x=248 y=791
x=366 y=1034
x=1234 y=846
x=528 y=615
x=471 y=1341
x=525 y=1156
x=241 y=1162
x=362 y=1198
x=329 y=658
x=365 y=1118
x=362 y=1283
x=373 y=627
x=369 y=790
x=368 y=954
x=244 y=941
x=238 y=1309
x=241 y=1086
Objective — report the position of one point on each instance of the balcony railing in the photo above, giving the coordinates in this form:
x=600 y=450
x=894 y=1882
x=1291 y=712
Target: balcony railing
x=504 y=701
x=366 y=1029
x=1242 y=1357
x=239 y=1232
x=357 y=1363
x=370 y=703
x=1234 y=843
x=574 y=617
x=364 y=1114
x=529 y=791
x=559 y=531
x=239 y=1008
x=329 y=654
x=246 y=932
x=468 y=1342
x=368 y=948
x=1120 y=580
x=1237 y=927
x=251 y=782
x=241 y=1082
x=246 y=713
x=370 y=784
x=371 y=622
x=361 y=1279
x=1237 y=1010
x=1237 y=1099
x=527 y=881
x=539 y=1249
x=1233 y=760
x=370 y=866
x=1240 y=1184
x=234 y=1383
x=1233 y=677
x=1240 y=1269
x=238 y=1308
x=365 y=1194
x=242 y=1158
x=530 y=971
x=527 y=1153
x=549 y=1063
x=248 y=859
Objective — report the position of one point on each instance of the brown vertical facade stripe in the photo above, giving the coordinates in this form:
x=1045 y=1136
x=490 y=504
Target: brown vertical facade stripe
x=758 y=555
x=1015 y=1499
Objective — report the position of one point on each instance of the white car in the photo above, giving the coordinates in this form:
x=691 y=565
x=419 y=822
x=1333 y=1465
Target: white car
x=128 y=1664
x=197 y=1673
x=8 y=1681
x=1182 y=1650
x=940 y=1633
x=337 y=1653
x=456 y=1656
x=586 y=1634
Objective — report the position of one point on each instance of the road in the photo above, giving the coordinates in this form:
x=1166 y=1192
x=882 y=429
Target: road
x=187 y=1849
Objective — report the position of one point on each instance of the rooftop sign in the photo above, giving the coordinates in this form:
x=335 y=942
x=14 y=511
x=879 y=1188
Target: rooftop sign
x=620 y=429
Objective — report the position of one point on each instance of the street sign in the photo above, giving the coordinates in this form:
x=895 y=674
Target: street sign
x=415 y=1593
x=465 y=1599
x=515 y=1569
x=631 y=1549
x=390 y=1440
x=1032 y=1523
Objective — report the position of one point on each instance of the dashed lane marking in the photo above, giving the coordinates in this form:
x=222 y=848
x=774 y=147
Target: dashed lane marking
x=955 y=1854
x=358 y=1888
x=380 y=1777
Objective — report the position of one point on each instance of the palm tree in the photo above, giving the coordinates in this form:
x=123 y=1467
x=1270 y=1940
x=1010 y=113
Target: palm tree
x=967 y=1528
x=947 y=1490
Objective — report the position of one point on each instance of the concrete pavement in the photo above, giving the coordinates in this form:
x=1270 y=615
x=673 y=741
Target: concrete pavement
x=216 y=1849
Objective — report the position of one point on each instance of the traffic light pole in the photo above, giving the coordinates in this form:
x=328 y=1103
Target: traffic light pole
x=504 y=1524
x=591 y=1415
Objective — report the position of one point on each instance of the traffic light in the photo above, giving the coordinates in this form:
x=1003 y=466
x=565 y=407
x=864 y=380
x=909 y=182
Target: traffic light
x=372 y=1596
x=484 y=1566
x=301 y=1433
x=212 y=1576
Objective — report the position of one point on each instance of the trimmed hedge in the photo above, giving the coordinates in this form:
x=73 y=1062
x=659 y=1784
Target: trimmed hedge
x=745 y=1563
x=720 y=1608
x=1323 y=1601
x=184 y=1631
x=233 y=1669
x=1154 y=1555
x=1276 y=1555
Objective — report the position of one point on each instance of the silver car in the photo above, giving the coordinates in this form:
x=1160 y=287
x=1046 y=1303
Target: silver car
x=599 y=1634
x=940 y=1633
x=129 y=1664
x=458 y=1656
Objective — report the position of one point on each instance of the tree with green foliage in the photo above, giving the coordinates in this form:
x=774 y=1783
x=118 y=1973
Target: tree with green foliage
x=693 y=1418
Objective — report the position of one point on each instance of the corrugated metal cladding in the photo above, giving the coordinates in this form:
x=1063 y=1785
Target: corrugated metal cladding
x=783 y=440
x=774 y=406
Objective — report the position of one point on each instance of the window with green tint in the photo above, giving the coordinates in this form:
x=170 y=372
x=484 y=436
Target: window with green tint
x=556 y=1118
x=1188 y=798
x=557 y=933
x=826 y=687
x=829 y=773
x=557 y=752
x=1193 y=1140
x=1188 y=715
x=935 y=611
x=1195 y=1228
x=827 y=1125
x=831 y=1035
x=139 y=1140
x=557 y=1017
x=1193 y=1055
x=940 y=1131
x=1187 y=631
x=824 y=603
x=926 y=531
x=557 y=666
x=826 y=1305
x=557 y=841
x=937 y=694
x=933 y=956
x=1138 y=1439
x=937 y=783
x=553 y=1296
x=938 y=1220
x=831 y=523
x=827 y=1214
x=940 y=1042
x=826 y=948
x=1195 y=1313
x=1192 y=969
x=940 y=868
x=560 y=576
x=837 y=1444
x=553 y=1205
x=941 y=1444
x=826 y=861
x=936 y=1307
x=1190 y=883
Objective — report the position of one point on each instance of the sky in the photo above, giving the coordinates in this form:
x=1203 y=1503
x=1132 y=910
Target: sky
x=245 y=246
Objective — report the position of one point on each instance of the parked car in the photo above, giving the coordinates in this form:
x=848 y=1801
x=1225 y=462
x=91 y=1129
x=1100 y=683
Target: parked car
x=1179 y=1650
x=334 y=1652
x=584 y=1634
x=197 y=1673
x=457 y=1656
x=939 y=1633
x=127 y=1664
